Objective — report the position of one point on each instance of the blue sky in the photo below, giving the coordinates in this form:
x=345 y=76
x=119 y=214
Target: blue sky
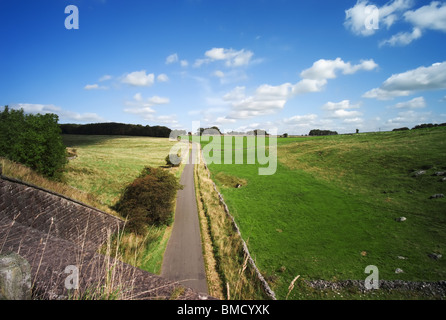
x=240 y=65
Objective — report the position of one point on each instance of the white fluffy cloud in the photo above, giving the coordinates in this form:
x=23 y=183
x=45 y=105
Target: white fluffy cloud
x=219 y=74
x=139 y=79
x=415 y=103
x=170 y=120
x=356 y=17
x=162 y=77
x=359 y=18
x=406 y=83
x=345 y=114
x=138 y=96
x=340 y=110
x=36 y=108
x=231 y=57
x=238 y=93
x=95 y=87
x=428 y=17
x=308 y=86
x=230 y=76
x=223 y=121
x=156 y=100
x=253 y=107
x=409 y=118
x=142 y=106
x=365 y=19
x=326 y=69
x=91 y=86
x=172 y=58
x=64 y=115
x=301 y=120
x=344 y=104
x=268 y=92
x=432 y=16
x=337 y=115
x=402 y=38
x=105 y=77
x=268 y=99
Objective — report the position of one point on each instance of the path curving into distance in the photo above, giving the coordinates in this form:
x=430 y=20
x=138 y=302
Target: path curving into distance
x=183 y=259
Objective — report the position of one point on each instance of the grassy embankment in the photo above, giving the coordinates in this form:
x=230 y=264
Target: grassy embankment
x=103 y=166
x=329 y=210
x=229 y=274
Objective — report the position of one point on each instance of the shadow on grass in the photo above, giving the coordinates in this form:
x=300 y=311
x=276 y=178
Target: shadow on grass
x=80 y=140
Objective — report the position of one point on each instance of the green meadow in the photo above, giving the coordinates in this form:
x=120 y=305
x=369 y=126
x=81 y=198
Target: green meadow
x=331 y=208
x=103 y=167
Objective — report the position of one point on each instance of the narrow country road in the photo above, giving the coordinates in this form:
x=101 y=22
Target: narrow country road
x=183 y=259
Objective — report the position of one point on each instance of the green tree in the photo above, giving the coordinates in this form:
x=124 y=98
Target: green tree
x=33 y=140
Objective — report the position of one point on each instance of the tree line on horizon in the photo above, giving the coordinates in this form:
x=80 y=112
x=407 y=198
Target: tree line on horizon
x=317 y=132
x=114 y=128
x=421 y=126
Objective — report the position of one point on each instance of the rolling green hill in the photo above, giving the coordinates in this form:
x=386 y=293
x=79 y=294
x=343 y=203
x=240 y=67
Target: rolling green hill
x=331 y=208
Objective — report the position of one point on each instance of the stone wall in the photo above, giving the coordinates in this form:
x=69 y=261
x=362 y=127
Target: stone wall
x=55 y=214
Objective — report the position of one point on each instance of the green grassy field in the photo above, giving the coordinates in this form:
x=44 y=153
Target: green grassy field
x=329 y=210
x=104 y=166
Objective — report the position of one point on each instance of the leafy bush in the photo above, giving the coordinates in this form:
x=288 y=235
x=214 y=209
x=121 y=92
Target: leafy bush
x=149 y=199
x=32 y=140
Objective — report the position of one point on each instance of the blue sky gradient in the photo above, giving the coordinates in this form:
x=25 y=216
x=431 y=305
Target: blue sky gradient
x=240 y=65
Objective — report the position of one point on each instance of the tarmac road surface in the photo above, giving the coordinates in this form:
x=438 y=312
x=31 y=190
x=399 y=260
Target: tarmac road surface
x=183 y=259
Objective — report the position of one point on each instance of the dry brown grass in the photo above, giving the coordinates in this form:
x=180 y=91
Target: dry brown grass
x=215 y=285
x=23 y=173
